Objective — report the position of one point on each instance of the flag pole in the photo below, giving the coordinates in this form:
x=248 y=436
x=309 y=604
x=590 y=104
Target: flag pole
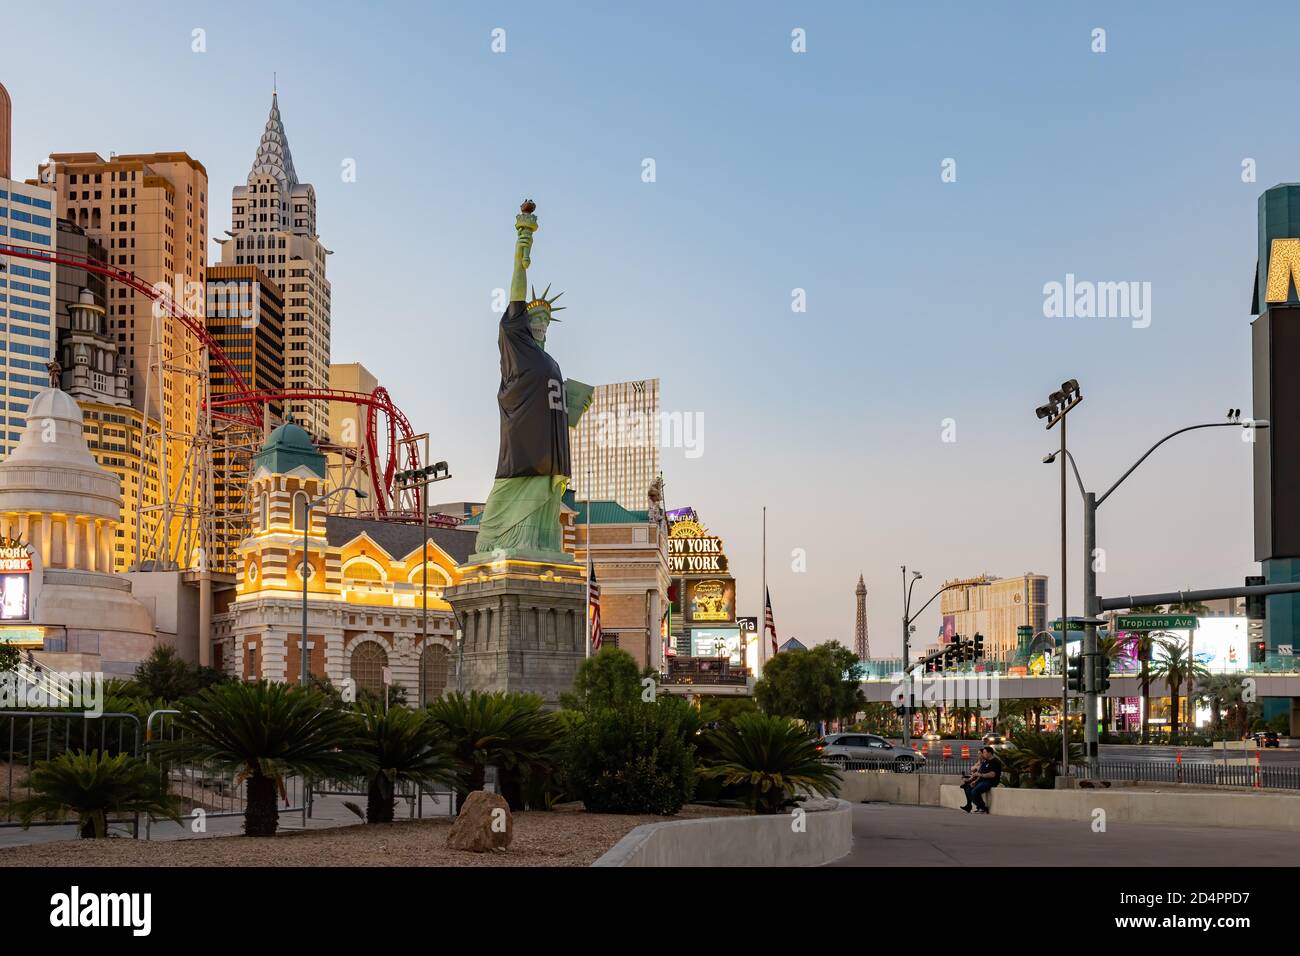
x=588 y=549
x=762 y=641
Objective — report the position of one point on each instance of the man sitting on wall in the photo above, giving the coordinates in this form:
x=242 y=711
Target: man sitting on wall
x=984 y=777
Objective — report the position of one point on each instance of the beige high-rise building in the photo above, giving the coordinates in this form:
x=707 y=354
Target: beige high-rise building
x=273 y=227
x=347 y=427
x=150 y=213
x=995 y=607
x=616 y=444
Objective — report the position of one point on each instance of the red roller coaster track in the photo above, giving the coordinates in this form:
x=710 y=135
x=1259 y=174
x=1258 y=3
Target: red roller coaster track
x=245 y=405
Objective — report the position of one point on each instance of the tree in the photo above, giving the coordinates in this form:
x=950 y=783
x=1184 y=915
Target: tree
x=609 y=678
x=1112 y=649
x=815 y=686
x=403 y=745
x=508 y=731
x=1145 y=646
x=1035 y=756
x=636 y=758
x=265 y=732
x=773 y=758
x=1224 y=694
x=164 y=674
x=9 y=658
x=1176 y=666
x=93 y=785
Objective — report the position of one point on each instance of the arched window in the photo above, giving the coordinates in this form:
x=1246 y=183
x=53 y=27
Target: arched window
x=300 y=500
x=261 y=512
x=360 y=569
x=368 y=663
x=434 y=665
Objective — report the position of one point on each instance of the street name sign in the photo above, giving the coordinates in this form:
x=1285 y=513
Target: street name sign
x=1155 y=622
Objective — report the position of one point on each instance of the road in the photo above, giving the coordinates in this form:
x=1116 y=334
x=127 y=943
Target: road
x=886 y=835
x=1152 y=753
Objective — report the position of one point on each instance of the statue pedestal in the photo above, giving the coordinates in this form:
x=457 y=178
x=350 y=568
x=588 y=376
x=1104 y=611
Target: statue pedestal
x=524 y=625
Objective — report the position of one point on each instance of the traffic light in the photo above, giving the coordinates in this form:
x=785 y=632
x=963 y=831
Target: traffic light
x=1102 y=674
x=1074 y=673
x=978 y=645
x=1255 y=603
x=1258 y=652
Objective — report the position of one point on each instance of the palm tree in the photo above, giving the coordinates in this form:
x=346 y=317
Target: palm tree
x=1112 y=648
x=92 y=785
x=265 y=732
x=774 y=758
x=1145 y=646
x=404 y=745
x=508 y=731
x=1223 y=694
x=1176 y=667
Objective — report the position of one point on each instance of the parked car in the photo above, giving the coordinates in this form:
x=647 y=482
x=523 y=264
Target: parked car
x=996 y=741
x=870 y=749
x=1267 y=738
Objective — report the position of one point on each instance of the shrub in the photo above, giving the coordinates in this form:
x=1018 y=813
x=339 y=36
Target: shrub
x=774 y=759
x=93 y=785
x=633 y=759
x=508 y=731
x=403 y=745
x=265 y=732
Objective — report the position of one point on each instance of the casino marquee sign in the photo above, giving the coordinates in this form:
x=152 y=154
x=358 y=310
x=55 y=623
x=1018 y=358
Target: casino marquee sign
x=692 y=550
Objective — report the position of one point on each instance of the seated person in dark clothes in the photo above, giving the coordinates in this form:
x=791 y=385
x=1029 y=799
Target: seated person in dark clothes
x=983 y=778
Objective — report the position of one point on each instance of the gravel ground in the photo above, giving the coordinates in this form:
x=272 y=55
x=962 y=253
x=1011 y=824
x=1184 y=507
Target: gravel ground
x=541 y=839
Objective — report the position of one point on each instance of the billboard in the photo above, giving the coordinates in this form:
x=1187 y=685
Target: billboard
x=718 y=642
x=711 y=599
x=15 y=575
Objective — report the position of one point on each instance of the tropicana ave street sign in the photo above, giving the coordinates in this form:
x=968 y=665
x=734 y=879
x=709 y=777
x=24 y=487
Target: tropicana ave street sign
x=1155 y=622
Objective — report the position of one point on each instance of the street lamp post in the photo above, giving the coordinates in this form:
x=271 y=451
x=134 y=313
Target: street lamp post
x=421 y=478
x=1059 y=404
x=908 y=618
x=1091 y=600
x=303 y=568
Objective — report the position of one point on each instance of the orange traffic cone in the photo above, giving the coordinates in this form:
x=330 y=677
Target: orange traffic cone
x=947 y=750
x=965 y=751
x=1259 y=773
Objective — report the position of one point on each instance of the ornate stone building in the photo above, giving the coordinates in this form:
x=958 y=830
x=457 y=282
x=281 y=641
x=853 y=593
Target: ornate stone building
x=365 y=587
x=91 y=367
x=58 y=512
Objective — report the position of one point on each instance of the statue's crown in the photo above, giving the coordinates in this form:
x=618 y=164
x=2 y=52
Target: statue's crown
x=542 y=302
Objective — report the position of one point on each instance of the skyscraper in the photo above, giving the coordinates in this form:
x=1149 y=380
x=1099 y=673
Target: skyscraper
x=861 y=646
x=616 y=445
x=273 y=226
x=149 y=211
x=28 y=316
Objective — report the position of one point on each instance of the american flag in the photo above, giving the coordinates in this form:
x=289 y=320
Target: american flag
x=769 y=623
x=593 y=610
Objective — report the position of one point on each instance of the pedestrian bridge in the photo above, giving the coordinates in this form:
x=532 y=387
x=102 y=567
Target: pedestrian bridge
x=984 y=686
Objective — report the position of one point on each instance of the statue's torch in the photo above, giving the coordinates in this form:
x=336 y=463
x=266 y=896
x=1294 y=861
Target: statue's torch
x=525 y=226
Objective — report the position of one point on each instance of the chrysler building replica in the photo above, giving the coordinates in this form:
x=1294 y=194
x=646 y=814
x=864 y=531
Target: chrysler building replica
x=273 y=227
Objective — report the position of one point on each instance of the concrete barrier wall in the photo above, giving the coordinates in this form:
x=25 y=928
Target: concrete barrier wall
x=1253 y=810
x=738 y=841
x=913 y=789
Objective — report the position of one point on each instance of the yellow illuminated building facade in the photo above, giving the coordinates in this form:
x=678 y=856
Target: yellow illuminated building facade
x=365 y=588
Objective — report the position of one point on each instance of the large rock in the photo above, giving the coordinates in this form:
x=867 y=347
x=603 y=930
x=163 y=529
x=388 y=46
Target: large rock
x=484 y=824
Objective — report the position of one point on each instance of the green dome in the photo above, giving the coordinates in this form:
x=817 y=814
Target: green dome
x=288 y=436
x=289 y=447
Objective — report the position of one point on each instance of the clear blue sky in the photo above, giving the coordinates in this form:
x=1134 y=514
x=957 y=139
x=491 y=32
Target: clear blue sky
x=776 y=171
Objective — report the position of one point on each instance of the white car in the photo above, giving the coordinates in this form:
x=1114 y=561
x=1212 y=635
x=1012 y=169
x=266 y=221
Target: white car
x=852 y=748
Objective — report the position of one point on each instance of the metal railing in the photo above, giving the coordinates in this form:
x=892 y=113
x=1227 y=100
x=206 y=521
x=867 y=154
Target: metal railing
x=33 y=736
x=1200 y=773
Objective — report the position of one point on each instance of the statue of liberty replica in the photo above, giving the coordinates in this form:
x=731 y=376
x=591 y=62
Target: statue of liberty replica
x=538 y=407
x=521 y=605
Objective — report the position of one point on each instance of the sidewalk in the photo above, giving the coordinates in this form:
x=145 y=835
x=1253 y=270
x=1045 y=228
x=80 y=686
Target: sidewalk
x=889 y=835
